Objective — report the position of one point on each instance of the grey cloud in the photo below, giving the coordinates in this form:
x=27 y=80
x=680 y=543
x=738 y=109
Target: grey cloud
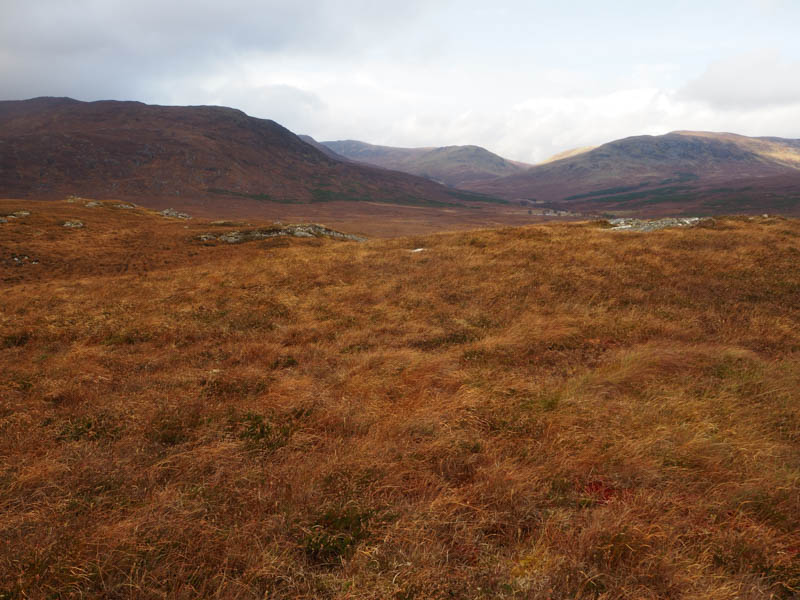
x=290 y=106
x=418 y=72
x=747 y=81
x=116 y=48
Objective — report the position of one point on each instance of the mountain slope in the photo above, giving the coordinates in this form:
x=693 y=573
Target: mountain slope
x=55 y=146
x=323 y=148
x=703 y=171
x=452 y=165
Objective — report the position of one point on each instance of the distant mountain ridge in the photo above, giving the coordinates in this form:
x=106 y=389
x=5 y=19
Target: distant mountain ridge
x=680 y=171
x=50 y=147
x=214 y=156
x=323 y=148
x=455 y=166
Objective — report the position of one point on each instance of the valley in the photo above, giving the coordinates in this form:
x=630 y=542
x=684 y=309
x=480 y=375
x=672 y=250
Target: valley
x=238 y=364
x=351 y=300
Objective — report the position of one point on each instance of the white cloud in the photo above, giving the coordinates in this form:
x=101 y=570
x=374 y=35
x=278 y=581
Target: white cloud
x=541 y=126
x=757 y=79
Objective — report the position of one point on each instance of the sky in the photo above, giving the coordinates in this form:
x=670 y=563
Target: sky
x=525 y=79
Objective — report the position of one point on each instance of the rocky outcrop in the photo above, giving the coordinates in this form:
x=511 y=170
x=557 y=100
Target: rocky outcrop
x=20 y=214
x=174 y=214
x=301 y=231
x=624 y=224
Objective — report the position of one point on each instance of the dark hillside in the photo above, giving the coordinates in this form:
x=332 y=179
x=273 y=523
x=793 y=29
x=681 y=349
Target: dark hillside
x=51 y=147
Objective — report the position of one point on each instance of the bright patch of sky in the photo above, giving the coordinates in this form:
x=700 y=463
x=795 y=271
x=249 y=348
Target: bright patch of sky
x=525 y=79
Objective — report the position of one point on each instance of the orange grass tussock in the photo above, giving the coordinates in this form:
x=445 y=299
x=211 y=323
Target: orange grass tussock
x=545 y=412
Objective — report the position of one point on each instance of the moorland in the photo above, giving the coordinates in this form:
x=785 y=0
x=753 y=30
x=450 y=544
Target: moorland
x=550 y=411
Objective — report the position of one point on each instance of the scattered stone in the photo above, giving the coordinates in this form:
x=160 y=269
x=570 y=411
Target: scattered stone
x=73 y=224
x=20 y=214
x=313 y=230
x=124 y=206
x=73 y=198
x=23 y=259
x=93 y=203
x=301 y=231
x=172 y=213
x=234 y=237
x=553 y=212
x=417 y=250
x=628 y=224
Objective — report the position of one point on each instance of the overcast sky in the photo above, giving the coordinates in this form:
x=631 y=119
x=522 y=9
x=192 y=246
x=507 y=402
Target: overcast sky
x=525 y=79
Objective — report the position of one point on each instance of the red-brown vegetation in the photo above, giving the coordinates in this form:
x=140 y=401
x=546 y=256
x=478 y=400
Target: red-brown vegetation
x=194 y=155
x=557 y=411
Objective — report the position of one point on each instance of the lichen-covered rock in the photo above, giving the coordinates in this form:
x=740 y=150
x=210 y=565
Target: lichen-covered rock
x=314 y=230
x=629 y=224
x=20 y=214
x=233 y=237
x=174 y=214
x=73 y=224
x=301 y=231
x=93 y=204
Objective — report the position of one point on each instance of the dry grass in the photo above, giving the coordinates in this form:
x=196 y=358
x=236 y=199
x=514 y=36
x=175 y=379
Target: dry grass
x=555 y=412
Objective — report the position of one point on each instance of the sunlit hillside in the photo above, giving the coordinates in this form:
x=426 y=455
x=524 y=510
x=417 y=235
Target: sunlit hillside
x=548 y=412
x=683 y=172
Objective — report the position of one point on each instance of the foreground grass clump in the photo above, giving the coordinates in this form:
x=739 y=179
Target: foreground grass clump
x=553 y=412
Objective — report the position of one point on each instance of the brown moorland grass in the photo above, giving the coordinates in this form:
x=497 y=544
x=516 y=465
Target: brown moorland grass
x=555 y=411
